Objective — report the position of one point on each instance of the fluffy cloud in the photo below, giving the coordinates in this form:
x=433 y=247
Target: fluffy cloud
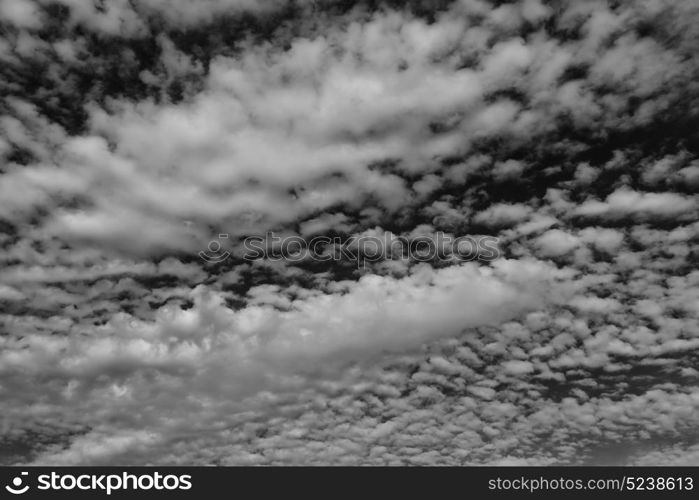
x=133 y=133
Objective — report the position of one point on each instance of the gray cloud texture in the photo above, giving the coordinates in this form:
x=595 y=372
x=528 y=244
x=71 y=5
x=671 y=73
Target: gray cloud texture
x=131 y=133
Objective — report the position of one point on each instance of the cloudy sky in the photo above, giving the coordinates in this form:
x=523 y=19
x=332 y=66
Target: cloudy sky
x=133 y=133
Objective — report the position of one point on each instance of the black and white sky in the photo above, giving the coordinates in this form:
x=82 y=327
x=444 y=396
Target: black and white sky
x=133 y=132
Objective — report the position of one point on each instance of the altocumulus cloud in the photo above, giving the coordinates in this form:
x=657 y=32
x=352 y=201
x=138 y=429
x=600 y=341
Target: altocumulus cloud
x=134 y=132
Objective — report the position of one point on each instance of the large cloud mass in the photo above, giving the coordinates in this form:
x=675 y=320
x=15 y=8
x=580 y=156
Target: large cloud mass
x=133 y=133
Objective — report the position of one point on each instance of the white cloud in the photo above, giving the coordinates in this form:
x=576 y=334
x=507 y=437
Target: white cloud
x=122 y=348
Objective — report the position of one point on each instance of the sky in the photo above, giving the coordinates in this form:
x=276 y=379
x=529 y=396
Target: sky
x=135 y=133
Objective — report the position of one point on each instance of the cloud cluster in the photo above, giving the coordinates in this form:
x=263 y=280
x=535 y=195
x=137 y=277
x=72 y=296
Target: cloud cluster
x=132 y=133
